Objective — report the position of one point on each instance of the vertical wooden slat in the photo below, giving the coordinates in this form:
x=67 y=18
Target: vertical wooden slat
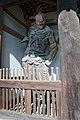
x=3 y=77
x=6 y=99
x=22 y=101
x=17 y=90
x=58 y=103
x=10 y=93
x=53 y=105
x=6 y=73
x=34 y=102
x=48 y=103
x=52 y=73
x=14 y=99
x=57 y=73
x=21 y=92
x=28 y=101
x=10 y=73
x=25 y=70
x=38 y=94
x=14 y=91
x=28 y=92
x=3 y=92
x=43 y=102
x=3 y=98
x=6 y=90
x=10 y=99
x=17 y=100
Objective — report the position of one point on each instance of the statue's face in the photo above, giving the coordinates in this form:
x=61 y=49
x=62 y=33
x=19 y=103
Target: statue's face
x=39 y=22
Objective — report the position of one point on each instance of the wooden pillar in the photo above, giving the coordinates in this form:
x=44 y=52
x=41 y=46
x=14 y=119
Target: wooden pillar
x=0 y=52
x=1 y=25
x=69 y=33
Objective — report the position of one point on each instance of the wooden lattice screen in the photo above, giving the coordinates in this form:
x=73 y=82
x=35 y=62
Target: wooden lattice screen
x=21 y=94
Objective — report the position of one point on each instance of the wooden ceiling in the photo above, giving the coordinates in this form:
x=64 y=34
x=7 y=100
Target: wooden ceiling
x=9 y=3
x=31 y=7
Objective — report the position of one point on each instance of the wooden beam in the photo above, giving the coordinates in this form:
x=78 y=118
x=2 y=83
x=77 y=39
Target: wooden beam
x=14 y=17
x=12 y=32
x=69 y=33
x=52 y=2
x=28 y=23
x=31 y=85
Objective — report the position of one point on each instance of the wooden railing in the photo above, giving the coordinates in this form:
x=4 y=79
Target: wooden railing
x=22 y=94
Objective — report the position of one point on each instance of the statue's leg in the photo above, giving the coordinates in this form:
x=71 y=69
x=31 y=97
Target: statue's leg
x=44 y=73
x=25 y=69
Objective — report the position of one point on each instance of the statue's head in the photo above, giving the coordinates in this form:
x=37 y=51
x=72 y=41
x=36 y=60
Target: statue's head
x=40 y=20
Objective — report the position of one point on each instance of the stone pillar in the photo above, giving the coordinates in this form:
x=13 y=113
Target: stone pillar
x=69 y=33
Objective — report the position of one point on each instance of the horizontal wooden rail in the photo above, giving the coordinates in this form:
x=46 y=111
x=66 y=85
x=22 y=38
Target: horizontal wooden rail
x=31 y=91
x=29 y=84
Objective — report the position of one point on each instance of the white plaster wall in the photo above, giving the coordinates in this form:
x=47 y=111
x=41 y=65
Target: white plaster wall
x=12 y=51
x=13 y=24
x=12 y=48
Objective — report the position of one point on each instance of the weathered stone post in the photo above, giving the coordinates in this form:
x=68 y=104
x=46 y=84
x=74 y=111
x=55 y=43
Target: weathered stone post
x=69 y=33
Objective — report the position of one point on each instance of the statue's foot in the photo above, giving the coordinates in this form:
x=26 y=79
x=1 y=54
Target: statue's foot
x=47 y=62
